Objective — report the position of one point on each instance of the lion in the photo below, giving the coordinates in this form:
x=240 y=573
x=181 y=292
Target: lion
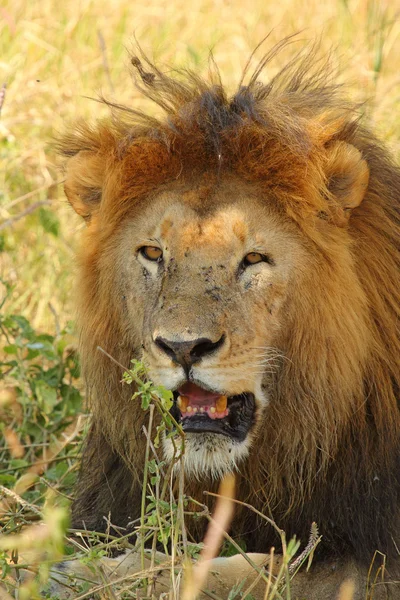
x=246 y=249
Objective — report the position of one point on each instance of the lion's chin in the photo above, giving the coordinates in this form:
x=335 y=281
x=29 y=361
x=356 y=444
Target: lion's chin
x=209 y=455
x=218 y=430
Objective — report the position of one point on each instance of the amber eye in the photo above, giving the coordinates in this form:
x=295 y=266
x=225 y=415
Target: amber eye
x=253 y=257
x=151 y=253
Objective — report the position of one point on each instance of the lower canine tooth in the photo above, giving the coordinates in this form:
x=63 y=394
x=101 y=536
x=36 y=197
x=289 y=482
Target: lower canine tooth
x=183 y=402
x=221 y=404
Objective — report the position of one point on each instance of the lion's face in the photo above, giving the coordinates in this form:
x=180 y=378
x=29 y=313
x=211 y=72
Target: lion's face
x=205 y=292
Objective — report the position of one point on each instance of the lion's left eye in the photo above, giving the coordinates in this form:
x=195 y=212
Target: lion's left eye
x=151 y=253
x=252 y=258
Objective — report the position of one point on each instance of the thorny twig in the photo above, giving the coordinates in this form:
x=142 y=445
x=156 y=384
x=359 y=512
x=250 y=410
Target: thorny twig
x=313 y=541
x=23 y=214
x=19 y=500
x=106 y=66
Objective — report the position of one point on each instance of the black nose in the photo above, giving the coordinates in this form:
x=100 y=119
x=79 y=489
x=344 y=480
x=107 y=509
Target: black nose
x=189 y=352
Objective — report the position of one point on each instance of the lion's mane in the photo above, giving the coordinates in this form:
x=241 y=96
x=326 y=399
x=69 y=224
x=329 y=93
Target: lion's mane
x=329 y=451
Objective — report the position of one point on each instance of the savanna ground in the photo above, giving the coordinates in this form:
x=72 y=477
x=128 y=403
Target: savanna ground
x=53 y=56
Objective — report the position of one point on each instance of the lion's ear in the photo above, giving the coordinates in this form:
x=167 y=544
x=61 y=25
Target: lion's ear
x=84 y=181
x=347 y=176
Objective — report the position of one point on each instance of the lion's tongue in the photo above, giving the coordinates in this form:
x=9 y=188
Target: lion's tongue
x=193 y=400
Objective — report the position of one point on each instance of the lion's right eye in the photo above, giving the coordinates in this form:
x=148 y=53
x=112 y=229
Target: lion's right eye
x=151 y=253
x=253 y=258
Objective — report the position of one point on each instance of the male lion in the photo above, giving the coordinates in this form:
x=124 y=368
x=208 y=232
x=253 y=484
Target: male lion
x=246 y=248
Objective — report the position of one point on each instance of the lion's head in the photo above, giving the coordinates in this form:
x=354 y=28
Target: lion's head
x=205 y=282
x=247 y=250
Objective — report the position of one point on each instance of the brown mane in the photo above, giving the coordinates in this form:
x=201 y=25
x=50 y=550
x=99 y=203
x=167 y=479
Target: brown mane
x=333 y=434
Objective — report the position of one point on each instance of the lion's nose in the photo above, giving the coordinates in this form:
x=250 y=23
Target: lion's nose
x=188 y=352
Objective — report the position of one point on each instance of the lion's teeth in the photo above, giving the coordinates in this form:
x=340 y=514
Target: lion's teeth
x=221 y=404
x=183 y=402
x=184 y=406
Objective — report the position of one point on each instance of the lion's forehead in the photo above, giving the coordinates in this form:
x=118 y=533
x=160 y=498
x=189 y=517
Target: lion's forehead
x=221 y=229
x=230 y=223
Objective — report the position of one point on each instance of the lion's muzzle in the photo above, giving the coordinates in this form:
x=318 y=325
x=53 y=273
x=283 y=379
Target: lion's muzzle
x=187 y=353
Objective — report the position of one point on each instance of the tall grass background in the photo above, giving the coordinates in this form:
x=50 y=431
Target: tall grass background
x=54 y=57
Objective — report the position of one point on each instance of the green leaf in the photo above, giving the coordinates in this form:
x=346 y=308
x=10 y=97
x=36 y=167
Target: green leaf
x=229 y=549
x=18 y=323
x=292 y=547
x=166 y=397
x=49 y=221
x=47 y=350
x=74 y=366
x=152 y=520
x=152 y=466
x=46 y=395
x=194 y=550
x=18 y=463
x=57 y=471
x=157 y=438
x=11 y=349
x=146 y=399
x=34 y=430
x=52 y=376
x=6 y=479
x=4 y=565
x=32 y=354
x=52 y=474
x=9 y=364
x=164 y=535
x=72 y=398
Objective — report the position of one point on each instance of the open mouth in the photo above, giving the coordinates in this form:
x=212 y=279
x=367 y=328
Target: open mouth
x=201 y=411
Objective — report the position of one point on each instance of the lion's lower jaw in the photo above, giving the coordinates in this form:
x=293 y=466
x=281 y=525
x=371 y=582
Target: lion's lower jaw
x=210 y=455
